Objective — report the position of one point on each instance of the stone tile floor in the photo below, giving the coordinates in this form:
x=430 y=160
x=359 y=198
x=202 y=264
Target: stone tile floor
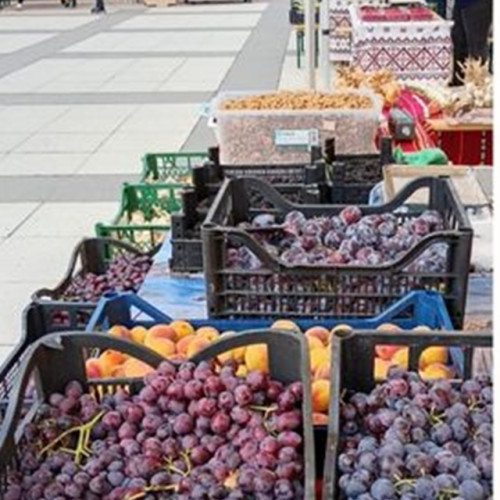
x=82 y=98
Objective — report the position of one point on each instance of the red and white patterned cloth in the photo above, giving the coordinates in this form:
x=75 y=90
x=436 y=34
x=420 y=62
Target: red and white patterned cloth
x=412 y=50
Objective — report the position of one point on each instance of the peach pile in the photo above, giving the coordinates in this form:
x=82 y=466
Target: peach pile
x=432 y=363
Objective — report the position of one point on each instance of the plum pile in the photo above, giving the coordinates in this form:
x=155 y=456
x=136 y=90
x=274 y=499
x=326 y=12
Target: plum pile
x=190 y=433
x=411 y=440
x=125 y=272
x=347 y=239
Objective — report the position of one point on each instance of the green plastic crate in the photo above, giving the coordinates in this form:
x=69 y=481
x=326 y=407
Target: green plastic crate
x=170 y=167
x=148 y=200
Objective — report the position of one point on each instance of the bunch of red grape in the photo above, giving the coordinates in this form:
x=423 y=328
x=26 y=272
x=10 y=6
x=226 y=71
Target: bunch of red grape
x=125 y=272
x=190 y=433
x=411 y=440
x=345 y=239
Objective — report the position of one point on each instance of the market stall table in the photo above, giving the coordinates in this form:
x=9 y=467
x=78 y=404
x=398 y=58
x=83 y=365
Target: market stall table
x=398 y=40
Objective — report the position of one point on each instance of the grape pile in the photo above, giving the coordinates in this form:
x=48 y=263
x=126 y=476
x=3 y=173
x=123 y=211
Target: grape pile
x=125 y=272
x=190 y=433
x=411 y=440
x=347 y=239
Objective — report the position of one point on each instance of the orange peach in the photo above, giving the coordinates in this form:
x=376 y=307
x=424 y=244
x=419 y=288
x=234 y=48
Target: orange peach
x=161 y=345
x=320 y=419
x=183 y=344
x=431 y=355
x=323 y=372
x=225 y=357
x=122 y=332
x=380 y=369
x=207 y=332
x=197 y=345
x=285 y=324
x=135 y=368
x=388 y=327
x=314 y=343
x=162 y=331
x=138 y=334
x=93 y=368
x=320 y=333
x=422 y=329
x=319 y=357
x=386 y=352
x=177 y=357
x=110 y=359
x=435 y=371
x=239 y=354
x=182 y=328
x=256 y=358
x=401 y=357
x=242 y=371
x=320 y=395
x=118 y=371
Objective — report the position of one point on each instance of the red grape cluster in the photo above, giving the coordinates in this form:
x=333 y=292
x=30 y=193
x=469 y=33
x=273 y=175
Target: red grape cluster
x=345 y=239
x=125 y=272
x=411 y=440
x=190 y=433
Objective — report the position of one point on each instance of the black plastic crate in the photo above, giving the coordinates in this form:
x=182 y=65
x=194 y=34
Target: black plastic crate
x=352 y=177
x=278 y=290
x=91 y=255
x=46 y=368
x=297 y=183
x=349 y=375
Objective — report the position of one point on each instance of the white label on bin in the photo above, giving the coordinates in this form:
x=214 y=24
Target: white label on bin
x=329 y=125
x=297 y=137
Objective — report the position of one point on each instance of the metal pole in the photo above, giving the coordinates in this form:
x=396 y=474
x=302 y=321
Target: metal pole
x=309 y=28
x=325 y=44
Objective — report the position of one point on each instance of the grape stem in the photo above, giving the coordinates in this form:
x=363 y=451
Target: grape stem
x=152 y=489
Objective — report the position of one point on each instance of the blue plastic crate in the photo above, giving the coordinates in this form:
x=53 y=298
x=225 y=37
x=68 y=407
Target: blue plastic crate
x=415 y=309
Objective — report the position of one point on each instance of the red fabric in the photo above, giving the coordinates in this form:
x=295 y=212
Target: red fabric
x=467 y=148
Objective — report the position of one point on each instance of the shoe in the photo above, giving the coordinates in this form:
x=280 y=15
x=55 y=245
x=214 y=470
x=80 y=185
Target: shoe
x=95 y=10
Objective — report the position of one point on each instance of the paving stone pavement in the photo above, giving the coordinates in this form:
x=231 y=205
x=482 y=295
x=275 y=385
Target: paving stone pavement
x=83 y=97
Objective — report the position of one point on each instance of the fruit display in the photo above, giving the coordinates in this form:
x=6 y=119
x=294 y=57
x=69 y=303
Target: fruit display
x=124 y=272
x=190 y=433
x=281 y=127
x=415 y=440
x=324 y=261
x=347 y=239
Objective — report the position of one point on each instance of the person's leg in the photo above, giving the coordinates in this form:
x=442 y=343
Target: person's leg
x=477 y=19
x=459 y=45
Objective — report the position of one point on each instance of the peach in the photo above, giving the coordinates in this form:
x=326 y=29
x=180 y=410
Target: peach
x=388 y=327
x=162 y=331
x=323 y=372
x=285 y=324
x=319 y=357
x=225 y=357
x=435 y=371
x=339 y=329
x=183 y=344
x=422 y=329
x=118 y=372
x=314 y=343
x=93 y=368
x=320 y=395
x=177 y=357
x=320 y=419
x=386 y=352
x=431 y=355
x=122 y=332
x=182 y=328
x=135 y=368
x=320 y=333
x=138 y=334
x=401 y=357
x=380 y=368
x=256 y=358
x=161 y=345
x=242 y=371
x=197 y=345
x=239 y=354
x=110 y=359
x=208 y=332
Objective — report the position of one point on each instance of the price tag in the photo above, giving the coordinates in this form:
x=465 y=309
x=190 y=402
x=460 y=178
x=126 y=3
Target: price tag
x=297 y=138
